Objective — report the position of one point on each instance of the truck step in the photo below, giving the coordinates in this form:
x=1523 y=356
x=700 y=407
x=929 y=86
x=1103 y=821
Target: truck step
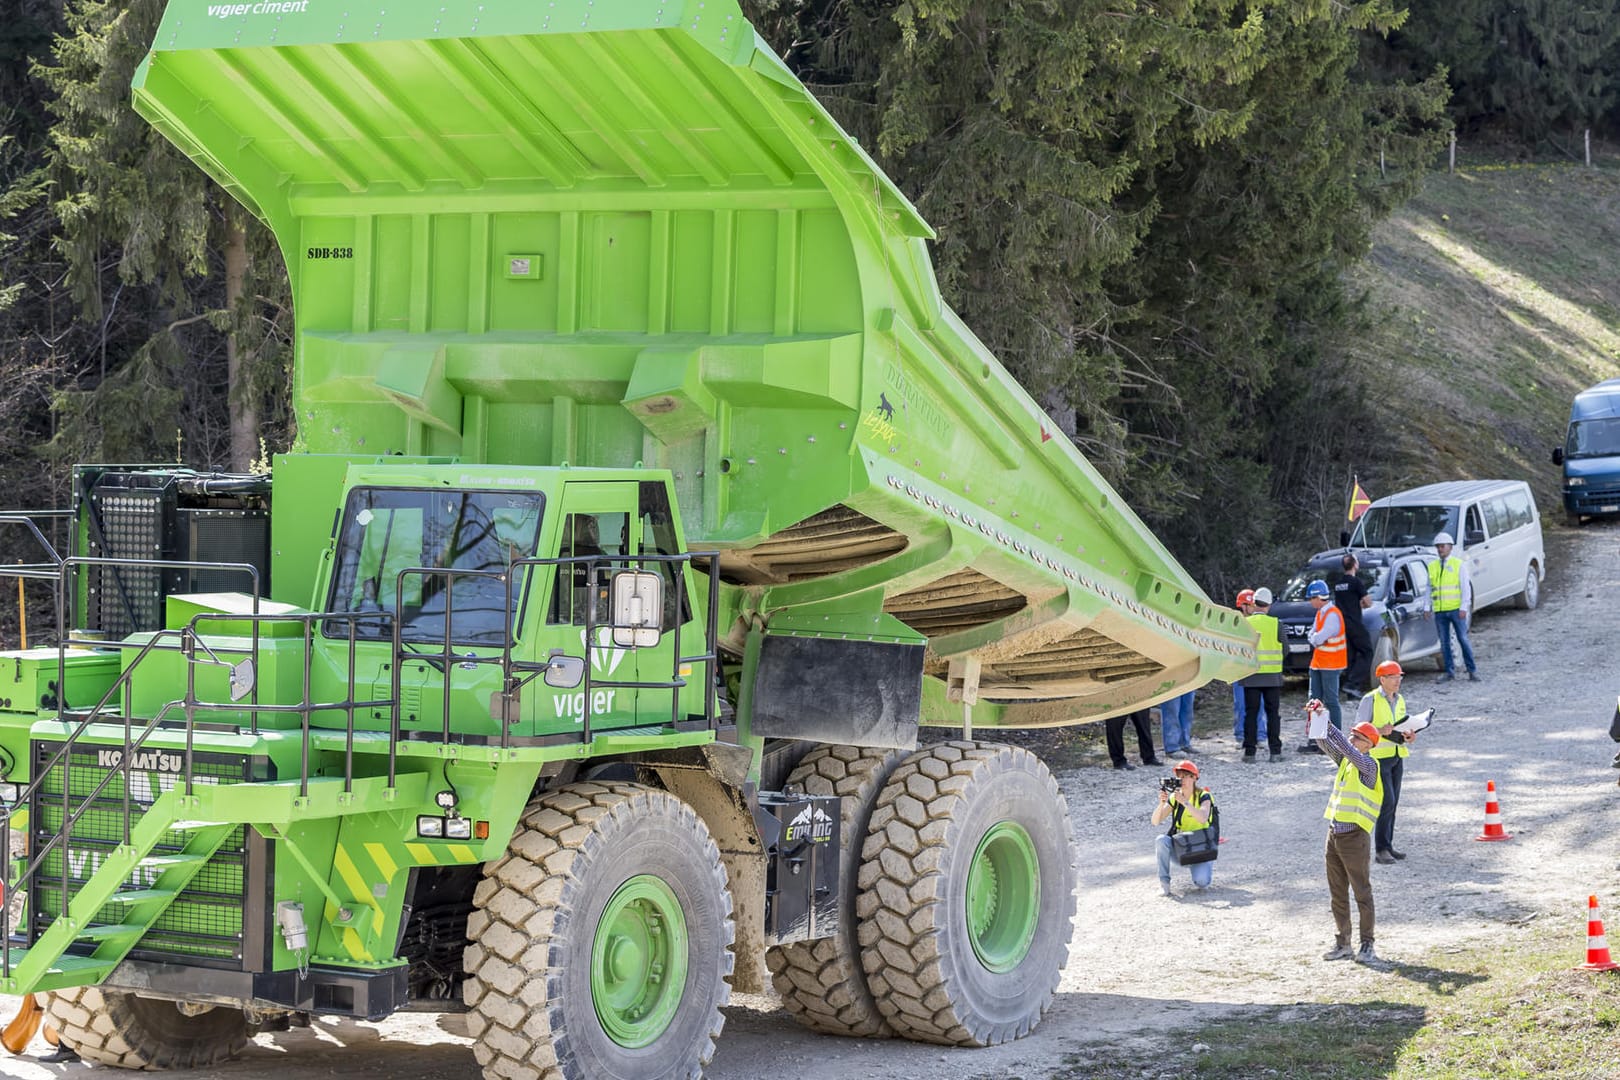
x=164 y=861
x=136 y=896
x=185 y=826
x=112 y=930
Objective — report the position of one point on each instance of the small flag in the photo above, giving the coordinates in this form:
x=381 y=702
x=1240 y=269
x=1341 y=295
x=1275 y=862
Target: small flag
x=1358 y=501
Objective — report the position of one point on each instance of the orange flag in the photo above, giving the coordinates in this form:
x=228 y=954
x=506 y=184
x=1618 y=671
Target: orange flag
x=1358 y=501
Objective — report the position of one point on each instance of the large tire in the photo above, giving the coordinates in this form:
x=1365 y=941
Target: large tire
x=609 y=895
x=967 y=894
x=822 y=982
x=1531 y=596
x=130 y=1032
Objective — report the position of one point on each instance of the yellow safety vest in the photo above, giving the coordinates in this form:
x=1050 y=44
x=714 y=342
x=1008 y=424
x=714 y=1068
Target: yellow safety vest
x=1382 y=714
x=1447 y=578
x=1354 y=801
x=1271 y=650
x=1200 y=797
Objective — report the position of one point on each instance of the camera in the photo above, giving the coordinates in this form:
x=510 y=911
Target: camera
x=1169 y=785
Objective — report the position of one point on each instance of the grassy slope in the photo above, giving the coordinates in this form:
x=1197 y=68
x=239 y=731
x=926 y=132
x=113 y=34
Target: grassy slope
x=1495 y=297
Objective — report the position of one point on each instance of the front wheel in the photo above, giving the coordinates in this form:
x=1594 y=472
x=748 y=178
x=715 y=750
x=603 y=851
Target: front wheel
x=967 y=894
x=127 y=1031
x=601 y=941
x=1531 y=596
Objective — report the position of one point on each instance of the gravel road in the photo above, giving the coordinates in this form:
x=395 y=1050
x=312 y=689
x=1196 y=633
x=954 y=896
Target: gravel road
x=1142 y=963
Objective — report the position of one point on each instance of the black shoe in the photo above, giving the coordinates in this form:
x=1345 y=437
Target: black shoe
x=1127 y=766
x=1276 y=755
x=1248 y=757
x=1616 y=761
x=1384 y=858
x=1447 y=677
x=60 y=1053
x=1397 y=854
x=1310 y=748
x=1473 y=676
x=1151 y=761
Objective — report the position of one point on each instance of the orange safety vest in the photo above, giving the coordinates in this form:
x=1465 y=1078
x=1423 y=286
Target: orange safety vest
x=1333 y=654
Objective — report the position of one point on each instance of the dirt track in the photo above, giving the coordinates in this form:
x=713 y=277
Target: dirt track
x=1143 y=963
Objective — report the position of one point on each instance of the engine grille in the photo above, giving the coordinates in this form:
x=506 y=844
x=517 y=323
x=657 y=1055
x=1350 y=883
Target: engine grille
x=208 y=922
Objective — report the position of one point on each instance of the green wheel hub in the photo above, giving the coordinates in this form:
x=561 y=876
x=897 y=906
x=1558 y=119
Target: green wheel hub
x=1003 y=897
x=638 y=962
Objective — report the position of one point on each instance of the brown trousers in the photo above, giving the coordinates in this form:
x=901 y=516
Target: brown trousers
x=1349 y=859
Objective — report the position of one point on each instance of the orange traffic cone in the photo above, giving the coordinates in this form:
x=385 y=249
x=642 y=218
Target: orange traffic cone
x=1493 y=816
x=1597 y=947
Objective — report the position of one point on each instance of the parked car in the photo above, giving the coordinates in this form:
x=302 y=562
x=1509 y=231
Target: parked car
x=1495 y=525
x=1400 y=621
x=1591 y=453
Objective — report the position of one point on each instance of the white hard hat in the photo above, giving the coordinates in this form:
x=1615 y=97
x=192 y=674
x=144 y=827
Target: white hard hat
x=1443 y=538
x=1262 y=595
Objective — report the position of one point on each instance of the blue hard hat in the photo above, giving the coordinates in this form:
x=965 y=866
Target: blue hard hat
x=1317 y=588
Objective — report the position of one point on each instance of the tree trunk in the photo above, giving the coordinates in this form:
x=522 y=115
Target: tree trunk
x=243 y=403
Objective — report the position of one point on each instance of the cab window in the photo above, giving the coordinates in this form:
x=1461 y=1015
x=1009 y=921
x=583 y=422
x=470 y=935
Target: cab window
x=579 y=584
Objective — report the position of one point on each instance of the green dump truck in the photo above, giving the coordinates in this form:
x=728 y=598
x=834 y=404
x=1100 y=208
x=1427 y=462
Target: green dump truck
x=647 y=502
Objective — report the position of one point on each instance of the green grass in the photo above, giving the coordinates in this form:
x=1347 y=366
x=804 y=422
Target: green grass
x=1508 y=1010
x=1494 y=298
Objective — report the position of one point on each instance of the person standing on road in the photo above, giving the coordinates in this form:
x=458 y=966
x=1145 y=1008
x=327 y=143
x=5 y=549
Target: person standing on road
x=1352 y=813
x=1114 y=735
x=1328 y=655
x=1245 y=607
x=1189 y=810
x=1383 y=709
x=1453 y=600
x=1262 y=691
x=1175 y=725
x=1350 y=597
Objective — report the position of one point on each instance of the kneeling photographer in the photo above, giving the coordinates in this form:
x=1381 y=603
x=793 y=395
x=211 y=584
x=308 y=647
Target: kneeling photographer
x=1195 y=829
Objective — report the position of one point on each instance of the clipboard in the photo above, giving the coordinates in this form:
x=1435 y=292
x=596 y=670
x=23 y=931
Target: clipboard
x=1411 y=725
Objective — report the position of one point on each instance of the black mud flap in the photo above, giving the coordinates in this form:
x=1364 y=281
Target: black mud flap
x=859 y=693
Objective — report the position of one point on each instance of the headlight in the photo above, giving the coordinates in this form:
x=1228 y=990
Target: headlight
x=428 y=825
x=9 y=793
x=458 y=828
x=1575 y=481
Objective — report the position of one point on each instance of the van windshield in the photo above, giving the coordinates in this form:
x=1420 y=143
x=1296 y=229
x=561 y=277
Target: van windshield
x=1403 y=526
x=1593 y=438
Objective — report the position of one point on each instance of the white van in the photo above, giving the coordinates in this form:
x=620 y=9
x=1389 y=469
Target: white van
x=1495 y=523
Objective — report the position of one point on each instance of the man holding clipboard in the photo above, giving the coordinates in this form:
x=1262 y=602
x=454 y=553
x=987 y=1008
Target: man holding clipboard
x=1385 y=709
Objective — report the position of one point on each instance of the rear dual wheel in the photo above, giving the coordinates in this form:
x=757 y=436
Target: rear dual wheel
x=601 y=941
x=967 y=894
x=127 y=1031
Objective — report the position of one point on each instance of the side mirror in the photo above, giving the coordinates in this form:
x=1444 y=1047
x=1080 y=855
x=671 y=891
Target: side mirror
x=1558 y=455
x=638 y=609
x=243 y=678
x=564 y=672
x=1403 y=597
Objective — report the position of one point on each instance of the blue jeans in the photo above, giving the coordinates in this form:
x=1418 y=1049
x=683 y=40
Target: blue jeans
x=1446 y=622
x=1238 y=716
x=1202 y=873
x=1325 y=688
x=1175 y=723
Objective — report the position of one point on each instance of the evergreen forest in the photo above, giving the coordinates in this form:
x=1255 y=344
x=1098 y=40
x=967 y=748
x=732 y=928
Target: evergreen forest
x=1150 y=210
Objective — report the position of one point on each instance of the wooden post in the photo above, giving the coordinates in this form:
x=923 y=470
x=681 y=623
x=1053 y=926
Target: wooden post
x=1453 y=166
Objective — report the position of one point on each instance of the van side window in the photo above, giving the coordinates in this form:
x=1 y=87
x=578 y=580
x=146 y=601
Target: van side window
x=1420 y=577
x=1496 y=515
x=1475 y=526
x=1519 y=510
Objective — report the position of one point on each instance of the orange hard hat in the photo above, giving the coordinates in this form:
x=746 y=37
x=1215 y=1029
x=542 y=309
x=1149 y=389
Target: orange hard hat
x=1389 y=667
x=1366 y=731
x=1246 y=596
x=1185 y=766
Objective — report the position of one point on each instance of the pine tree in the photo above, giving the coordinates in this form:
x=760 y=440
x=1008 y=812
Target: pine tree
x=191 y=296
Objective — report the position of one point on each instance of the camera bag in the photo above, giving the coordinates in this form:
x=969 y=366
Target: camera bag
x=1202 y=845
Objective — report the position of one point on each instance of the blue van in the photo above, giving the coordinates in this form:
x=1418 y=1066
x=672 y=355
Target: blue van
x=1591 y=453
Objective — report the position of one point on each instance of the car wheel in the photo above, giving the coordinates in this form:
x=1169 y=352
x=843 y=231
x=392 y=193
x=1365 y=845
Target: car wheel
x=1531 y=596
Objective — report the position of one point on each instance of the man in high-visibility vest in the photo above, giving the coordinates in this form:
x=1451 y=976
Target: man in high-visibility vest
x=1262 y=691
x=1453 y=600
x=1352 y=813
x=1383 y=709
x=1330 y=651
